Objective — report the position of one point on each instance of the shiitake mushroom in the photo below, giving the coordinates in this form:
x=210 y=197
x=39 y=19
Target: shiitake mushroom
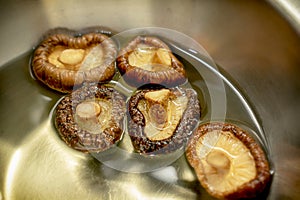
x=148 y=60
x=228 y=162
x=64 y=60
x=161 y=120
x=91 y=118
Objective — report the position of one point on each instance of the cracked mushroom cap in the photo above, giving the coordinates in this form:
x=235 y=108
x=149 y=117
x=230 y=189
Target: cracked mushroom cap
x=63 y=60
x=91 y=118
x=148 y=60
x=228 y=162
x=161 y=120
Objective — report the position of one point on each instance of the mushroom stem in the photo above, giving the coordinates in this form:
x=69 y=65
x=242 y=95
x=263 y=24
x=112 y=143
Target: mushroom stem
x=145 y=56
x=218 y=159
x=88 y=110
x=71 y=56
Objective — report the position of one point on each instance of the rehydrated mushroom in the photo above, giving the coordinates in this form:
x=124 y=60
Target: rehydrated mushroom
x=63 y=60
x=228 y=161
x=161 y=120
x=148 y=60
x=91 y=118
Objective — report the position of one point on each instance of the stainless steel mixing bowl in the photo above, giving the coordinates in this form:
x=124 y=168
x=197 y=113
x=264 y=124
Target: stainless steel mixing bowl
x=256 y=43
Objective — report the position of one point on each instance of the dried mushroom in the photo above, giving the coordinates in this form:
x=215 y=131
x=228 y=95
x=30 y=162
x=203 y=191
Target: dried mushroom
x=91 y=118
x=63 y=60
x=228 y=161
x=148 y=60
x=161 y=120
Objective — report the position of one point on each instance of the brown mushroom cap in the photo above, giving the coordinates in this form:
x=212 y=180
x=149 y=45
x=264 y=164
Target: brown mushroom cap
x=91 y=118
x=176 y=113
x=228 y=162
x=148 y=60
x=63 y=61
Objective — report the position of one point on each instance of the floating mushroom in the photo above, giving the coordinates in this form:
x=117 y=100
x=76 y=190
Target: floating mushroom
x=161 y=120
x=63 y=60
x=91 y=118
x=228 y=161
x=148 y=60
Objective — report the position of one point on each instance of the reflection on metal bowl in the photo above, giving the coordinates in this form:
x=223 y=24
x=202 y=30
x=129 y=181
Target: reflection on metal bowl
x=256 y=47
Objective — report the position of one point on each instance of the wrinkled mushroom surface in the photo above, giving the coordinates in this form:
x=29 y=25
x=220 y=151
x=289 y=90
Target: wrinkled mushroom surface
x=161 y=120
x=91 y=118
x=63 y=61
x=148 y=60
x=228 y=162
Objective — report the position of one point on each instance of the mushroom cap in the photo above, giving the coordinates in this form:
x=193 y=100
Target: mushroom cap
x=63 y=61
x=160 y=65
x=169 y=128
x=228 y=162
x=91 y=118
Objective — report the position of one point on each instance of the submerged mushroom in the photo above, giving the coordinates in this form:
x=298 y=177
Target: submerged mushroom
x=148 y=60
x=63 y=61
x=228 y=162
x=91 y=118
x=161 y=120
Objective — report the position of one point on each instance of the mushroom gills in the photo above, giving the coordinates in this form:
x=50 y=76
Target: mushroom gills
x=163 y=112
x=150 y=58
x=77 y=59
x=227 y=163
x=94 y=58
x=94 y=115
